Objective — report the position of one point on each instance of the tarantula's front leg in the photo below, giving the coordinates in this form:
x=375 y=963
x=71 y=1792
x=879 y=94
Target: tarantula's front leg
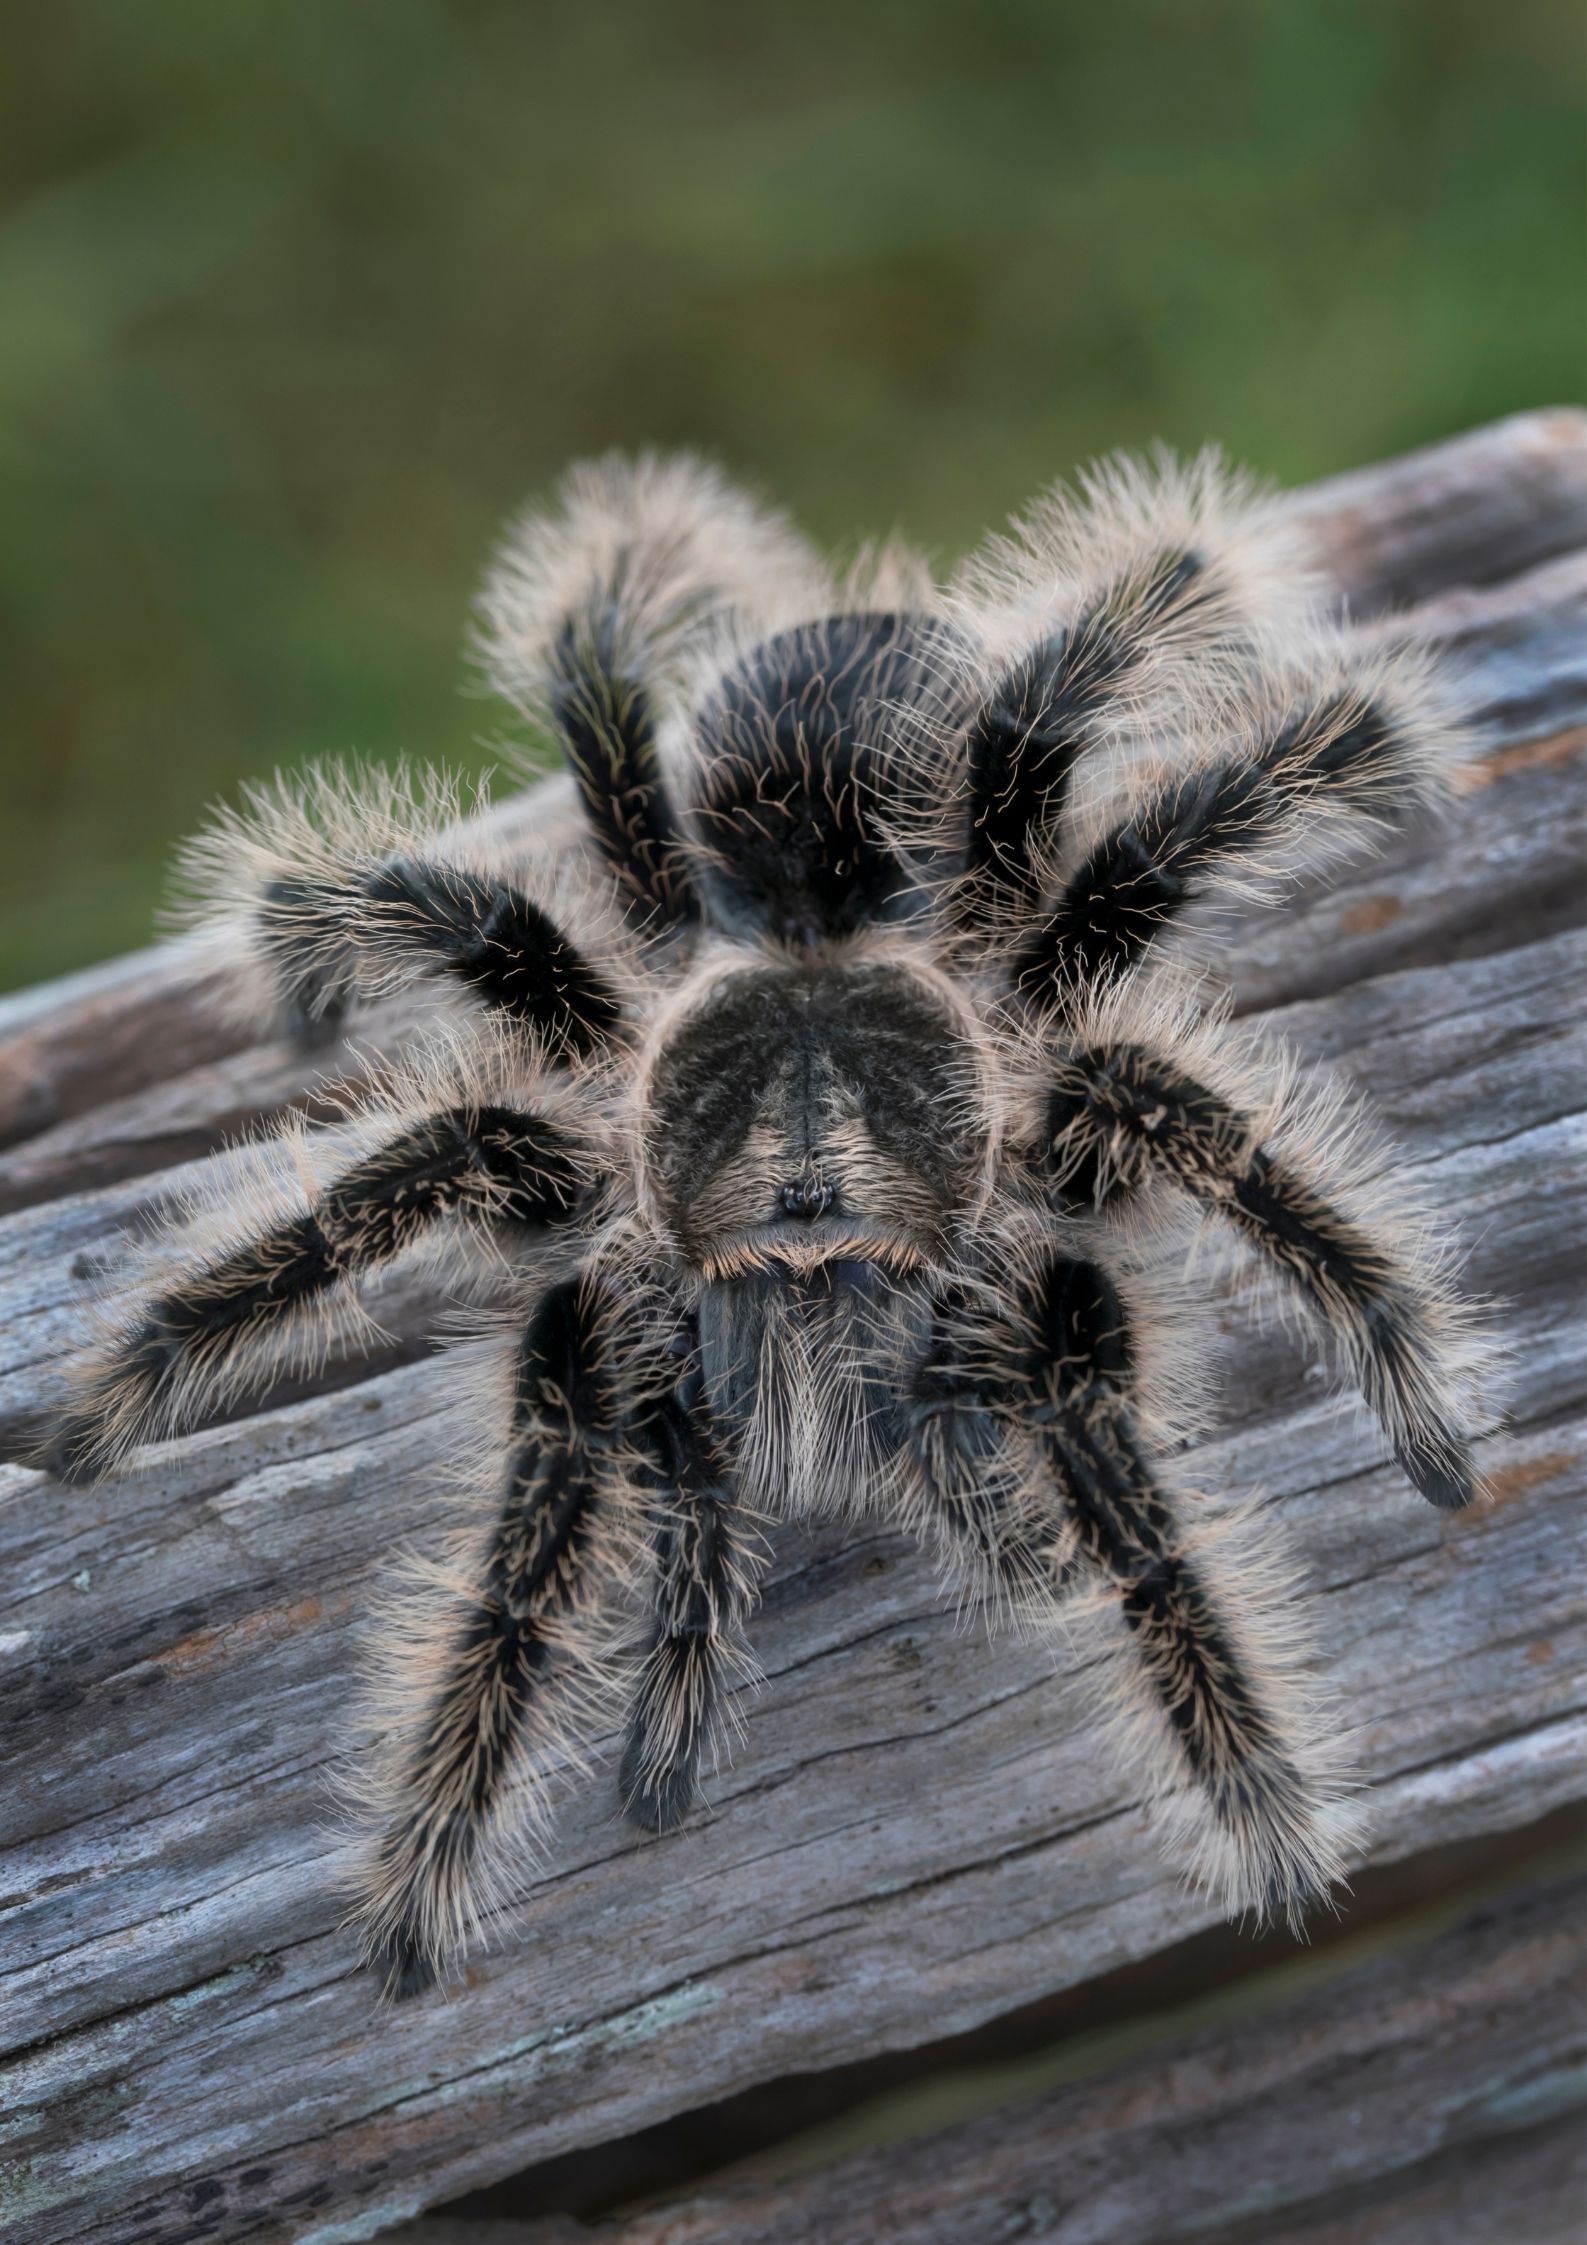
x=1124 y=1112
x=512 y=1654
x=235 y=1317
x=1275 y=1820
x=1094 y=1507
x=968 y=1486
x=707 y=1563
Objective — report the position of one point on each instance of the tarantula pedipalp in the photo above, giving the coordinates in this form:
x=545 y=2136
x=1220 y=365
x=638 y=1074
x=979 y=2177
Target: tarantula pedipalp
x=817 y=1147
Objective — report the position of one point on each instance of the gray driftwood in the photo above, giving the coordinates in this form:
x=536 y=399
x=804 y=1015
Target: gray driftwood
x=1428 y=2096
x=917 y=1833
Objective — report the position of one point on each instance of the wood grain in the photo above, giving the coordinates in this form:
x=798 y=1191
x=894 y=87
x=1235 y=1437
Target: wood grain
x=1431 y=2091
x=917 y=1833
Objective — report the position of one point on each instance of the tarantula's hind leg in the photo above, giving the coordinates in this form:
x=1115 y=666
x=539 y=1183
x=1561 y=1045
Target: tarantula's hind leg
x=707 y=1563
x=511 y=1653
x=1146 y=569
x=1125 y=1112
x=1308 y=759
x=587 y=614
x=342 y=888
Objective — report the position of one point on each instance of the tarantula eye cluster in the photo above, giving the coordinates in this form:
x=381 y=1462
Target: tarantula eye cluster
x=811 y=1125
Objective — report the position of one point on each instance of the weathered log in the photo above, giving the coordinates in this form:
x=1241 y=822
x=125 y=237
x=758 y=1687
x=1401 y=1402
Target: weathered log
x=1409 y=2093
x=917 y=1832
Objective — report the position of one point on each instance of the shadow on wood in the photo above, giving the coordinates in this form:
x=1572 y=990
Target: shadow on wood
x=1421 y=2084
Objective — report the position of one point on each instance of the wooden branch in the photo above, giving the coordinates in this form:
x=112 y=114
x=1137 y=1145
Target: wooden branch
x=917 y=1833
x=1487 y=506
x=1431 y=2092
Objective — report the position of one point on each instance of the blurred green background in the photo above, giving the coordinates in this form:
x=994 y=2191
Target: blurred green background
x=299 y=297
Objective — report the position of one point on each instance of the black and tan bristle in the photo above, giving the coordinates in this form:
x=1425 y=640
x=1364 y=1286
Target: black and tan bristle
x=1145 y=1094
x=707 y=1557
x=262 y=1279
x=791 y=790
x=1209 y=1664
x=268 y=894
x=340 y=889
x=969 y=1487
x=510 y=1654
x=1246 y=791
x=1075 y=629
x=587 y=616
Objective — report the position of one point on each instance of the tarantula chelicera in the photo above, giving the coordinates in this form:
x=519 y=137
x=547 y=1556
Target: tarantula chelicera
x=823 y=1122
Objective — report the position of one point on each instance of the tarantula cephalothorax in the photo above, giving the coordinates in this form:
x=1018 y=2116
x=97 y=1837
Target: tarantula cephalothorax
x=820 y=1119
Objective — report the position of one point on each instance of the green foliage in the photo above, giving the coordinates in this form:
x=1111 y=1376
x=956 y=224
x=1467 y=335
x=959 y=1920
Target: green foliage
x=299 y=297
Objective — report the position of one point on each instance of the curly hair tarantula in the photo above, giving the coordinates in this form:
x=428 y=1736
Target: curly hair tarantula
x=825 y=1124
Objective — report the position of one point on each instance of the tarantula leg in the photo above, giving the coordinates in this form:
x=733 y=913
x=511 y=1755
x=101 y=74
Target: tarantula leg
x=607 y=720
x=969 y=1489
x=1149 y=576
x=498 y=943
x=706 y=1568
x=205 y=1333
x=1121 y=1114
x=300 y=924
x=509 y=1657
x=1038 y=717
x=1345 y=753
x=1275 y=1819
x=587 y=613
x=345 y=887
x=404 y=914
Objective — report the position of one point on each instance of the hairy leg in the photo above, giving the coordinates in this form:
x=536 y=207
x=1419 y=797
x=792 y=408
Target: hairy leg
x=1125 y=1113
x=1037 y=718
x=592 y=608
x=507 y=1657
x=1203 y=1679
x=969 y=1487
x=707 y=1562
x=231 y=1318
x=345 y=888
x=1146 y=571
x=1314 y=759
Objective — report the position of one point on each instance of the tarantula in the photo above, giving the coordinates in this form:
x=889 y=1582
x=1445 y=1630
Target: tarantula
x=822 y=1127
